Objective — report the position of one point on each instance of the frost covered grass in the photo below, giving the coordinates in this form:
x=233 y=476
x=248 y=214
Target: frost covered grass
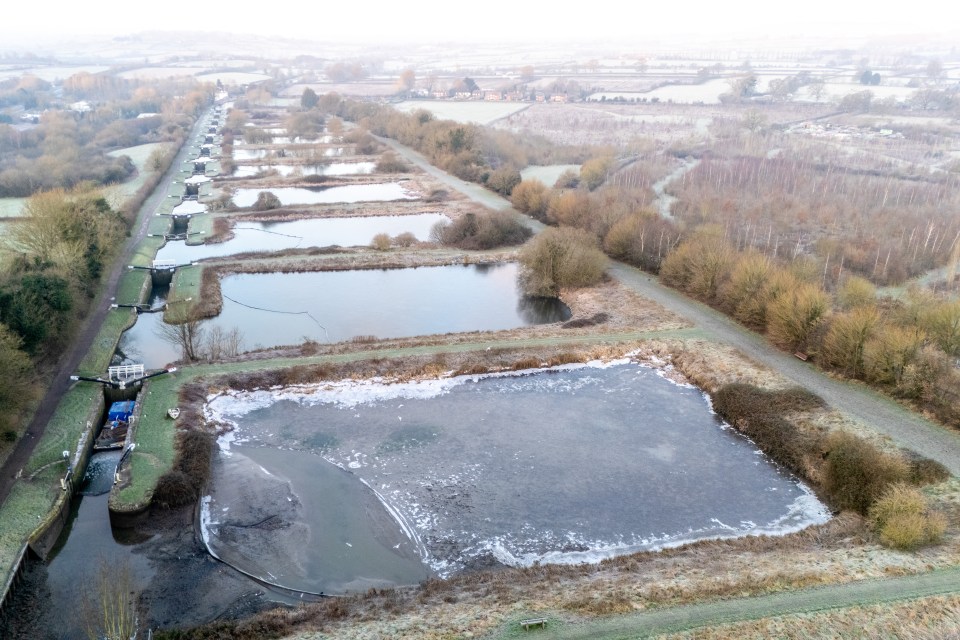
x=31 y=498
x=923 y=619
x=97 y=359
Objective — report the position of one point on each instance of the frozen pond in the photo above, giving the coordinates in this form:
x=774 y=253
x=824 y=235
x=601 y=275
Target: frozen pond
x=314 y=232
x=384 y=192
x=331 y=169
x=567 y=465
x=331 y=306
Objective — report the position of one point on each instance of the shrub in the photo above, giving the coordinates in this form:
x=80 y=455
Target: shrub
x=903 y=519
x=559 y=258
x=793 y=316
x=857 y=473
x=484 y=231
x=9 y=435
x=174 y=489
x=700 y=265
x=758 y=414
x=380 y=242
x=391 y=163
x=641 y=240
x=924 y=471
x=266 y=200
x=569 y=179
x=503 y=180
x=531 y=197
x=183 y=484
x=405 y=239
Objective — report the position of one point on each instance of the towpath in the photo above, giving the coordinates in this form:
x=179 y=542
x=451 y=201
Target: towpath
x=905 y=427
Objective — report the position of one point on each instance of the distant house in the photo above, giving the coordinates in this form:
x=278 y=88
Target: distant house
x=493 y=96
x=477 y=94
x=558 y=98
x=514 y=96
x=140 y=116
x=81 y=107
x=440 y=94
x=462 y=95
x=540 y=96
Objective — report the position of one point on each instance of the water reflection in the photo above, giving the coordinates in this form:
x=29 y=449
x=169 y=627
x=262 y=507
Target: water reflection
x=312 y=232
x=384 y=192
x=537 y=309
x=331 y=169
x=339 y=305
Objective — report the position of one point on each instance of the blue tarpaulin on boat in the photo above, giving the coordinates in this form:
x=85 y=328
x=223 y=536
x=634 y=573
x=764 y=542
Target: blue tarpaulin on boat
x=120 y=410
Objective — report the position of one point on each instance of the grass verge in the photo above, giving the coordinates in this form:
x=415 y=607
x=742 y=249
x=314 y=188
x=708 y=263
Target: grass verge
x=155 y=438
x=202 y=226
x=101 y=351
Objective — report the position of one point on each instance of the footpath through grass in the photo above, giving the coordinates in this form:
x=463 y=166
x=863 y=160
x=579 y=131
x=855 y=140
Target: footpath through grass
x=684 y=618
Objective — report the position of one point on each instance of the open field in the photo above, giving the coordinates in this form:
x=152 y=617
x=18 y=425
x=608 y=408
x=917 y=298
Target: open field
x=52 y=74
x=473 y=111
x=232 y=77
x=158 y=73
x=548 y=175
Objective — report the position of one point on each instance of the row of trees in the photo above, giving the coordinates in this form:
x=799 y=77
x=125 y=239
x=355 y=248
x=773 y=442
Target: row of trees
x=906 y=347
x=67 y=148
x=468 y=151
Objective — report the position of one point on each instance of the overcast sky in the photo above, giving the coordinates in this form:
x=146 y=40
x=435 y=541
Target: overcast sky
x=435 y=20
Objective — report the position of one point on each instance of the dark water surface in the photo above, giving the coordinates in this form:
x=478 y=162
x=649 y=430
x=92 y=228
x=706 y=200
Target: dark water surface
x=566 y=465
x=332 y=306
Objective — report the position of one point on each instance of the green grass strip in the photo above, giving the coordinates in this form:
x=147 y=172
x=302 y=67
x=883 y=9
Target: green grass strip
x=79 y=405
x=24 y=509
x=101 y=351
x=133 y=287
x=202 y=226
x=186 y=284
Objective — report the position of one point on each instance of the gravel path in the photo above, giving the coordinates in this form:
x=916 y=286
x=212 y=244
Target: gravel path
x=906 y=428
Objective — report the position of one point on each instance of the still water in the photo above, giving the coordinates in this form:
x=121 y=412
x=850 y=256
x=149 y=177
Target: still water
x=330 y=169
x=572 y=464
x=333 y=306
x=312 y=232
x=384 y=192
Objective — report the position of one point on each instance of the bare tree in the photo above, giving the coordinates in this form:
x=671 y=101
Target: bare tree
x=109 y=610
x=184 y=329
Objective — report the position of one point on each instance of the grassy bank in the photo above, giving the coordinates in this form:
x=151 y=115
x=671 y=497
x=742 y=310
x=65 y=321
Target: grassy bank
x=200 y=225
x=32 y=498
x=97 y=360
